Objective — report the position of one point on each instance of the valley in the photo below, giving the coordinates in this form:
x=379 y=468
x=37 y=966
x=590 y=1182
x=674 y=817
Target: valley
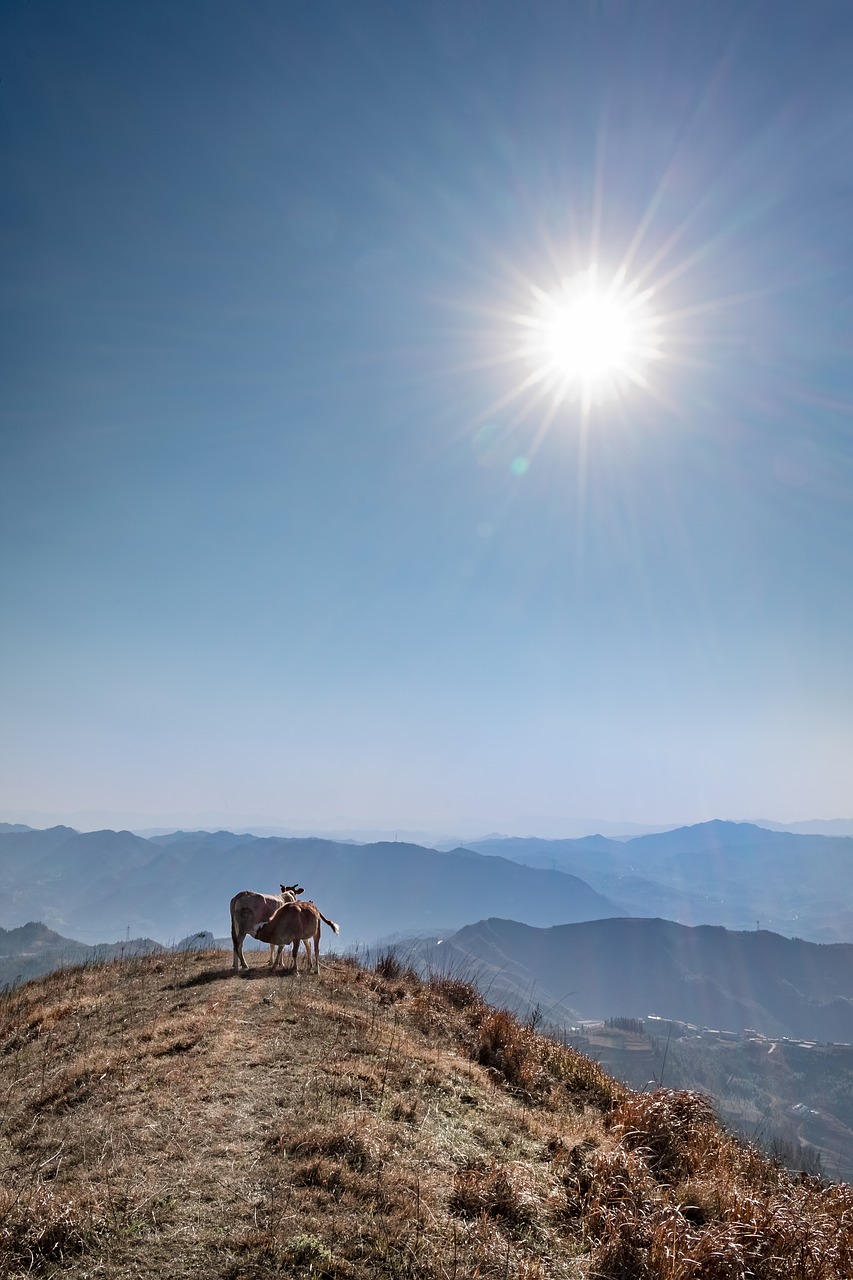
x=793 y=1098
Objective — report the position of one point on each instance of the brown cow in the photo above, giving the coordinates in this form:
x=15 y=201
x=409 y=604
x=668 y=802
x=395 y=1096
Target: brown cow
x=248 y=909
x=295 y=922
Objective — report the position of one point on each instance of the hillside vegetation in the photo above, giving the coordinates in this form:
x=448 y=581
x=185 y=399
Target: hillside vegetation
x=162 y=1118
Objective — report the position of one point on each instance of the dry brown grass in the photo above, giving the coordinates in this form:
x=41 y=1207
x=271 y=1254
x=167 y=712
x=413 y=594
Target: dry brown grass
x=161 y=1118
x=679 y=1198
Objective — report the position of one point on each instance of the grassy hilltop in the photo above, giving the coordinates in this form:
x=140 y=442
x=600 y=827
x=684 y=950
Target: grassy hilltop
x=161 y=1118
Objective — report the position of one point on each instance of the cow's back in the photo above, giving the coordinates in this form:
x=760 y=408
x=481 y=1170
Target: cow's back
x=259 y=905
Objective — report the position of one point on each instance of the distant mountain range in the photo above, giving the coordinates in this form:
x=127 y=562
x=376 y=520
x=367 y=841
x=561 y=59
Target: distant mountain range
x=731 y=873
x=549 y=827
x=708 y=976
x=108 y=884
x=114 y=884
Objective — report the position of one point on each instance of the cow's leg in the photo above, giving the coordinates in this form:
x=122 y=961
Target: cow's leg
x=273 y=957
x=238 y=938
x=234 y=943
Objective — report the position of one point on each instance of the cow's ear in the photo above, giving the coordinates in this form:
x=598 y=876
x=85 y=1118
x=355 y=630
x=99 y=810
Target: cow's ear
x=298 y=889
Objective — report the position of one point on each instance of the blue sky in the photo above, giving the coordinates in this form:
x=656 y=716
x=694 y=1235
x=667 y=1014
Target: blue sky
x=281 y=537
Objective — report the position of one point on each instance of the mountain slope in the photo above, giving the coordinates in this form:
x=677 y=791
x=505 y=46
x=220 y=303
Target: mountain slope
x=704 y=975
x=33 y=949
x=24 y=848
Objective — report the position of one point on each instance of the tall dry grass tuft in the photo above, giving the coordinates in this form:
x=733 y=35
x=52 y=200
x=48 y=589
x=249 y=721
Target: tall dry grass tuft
x=509 y=1048
x=495 y=1191
x=674 y=1129
x=41 y=1229
x=455 y=992
x=537 y=1067
x=389 y=965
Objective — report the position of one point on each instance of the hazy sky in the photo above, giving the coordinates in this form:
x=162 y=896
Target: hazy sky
x=282 y=536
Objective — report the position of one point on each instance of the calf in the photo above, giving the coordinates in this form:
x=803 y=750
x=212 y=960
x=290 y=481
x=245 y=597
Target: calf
x=248 y=909
x=295 y=922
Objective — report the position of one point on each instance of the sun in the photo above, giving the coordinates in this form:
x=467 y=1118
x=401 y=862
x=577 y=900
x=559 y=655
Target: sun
x=588 y=339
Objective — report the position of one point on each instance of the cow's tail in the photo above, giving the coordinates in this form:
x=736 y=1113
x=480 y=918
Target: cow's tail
x=330 y=923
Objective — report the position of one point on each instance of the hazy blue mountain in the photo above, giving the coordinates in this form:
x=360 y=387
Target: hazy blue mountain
x=705 y=975
x=51 y=875
x=96 y=853
x=814 y=827
x=23 y=891
x=23 y=849
x=726 y=873
x=183 y=843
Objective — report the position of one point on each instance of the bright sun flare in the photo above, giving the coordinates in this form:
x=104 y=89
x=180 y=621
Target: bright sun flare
x=590 y=340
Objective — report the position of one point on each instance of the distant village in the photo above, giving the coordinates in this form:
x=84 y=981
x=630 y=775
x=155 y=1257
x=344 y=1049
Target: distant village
x=668 y=1026
x=654 y=1025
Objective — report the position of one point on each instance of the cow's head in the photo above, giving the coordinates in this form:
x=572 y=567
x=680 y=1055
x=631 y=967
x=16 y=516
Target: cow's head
x=295 y=889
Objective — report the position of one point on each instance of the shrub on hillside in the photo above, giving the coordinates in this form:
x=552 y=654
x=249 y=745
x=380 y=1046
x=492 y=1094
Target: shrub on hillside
x=40 y=1227
x=675 y=1129
x=494 y=1192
